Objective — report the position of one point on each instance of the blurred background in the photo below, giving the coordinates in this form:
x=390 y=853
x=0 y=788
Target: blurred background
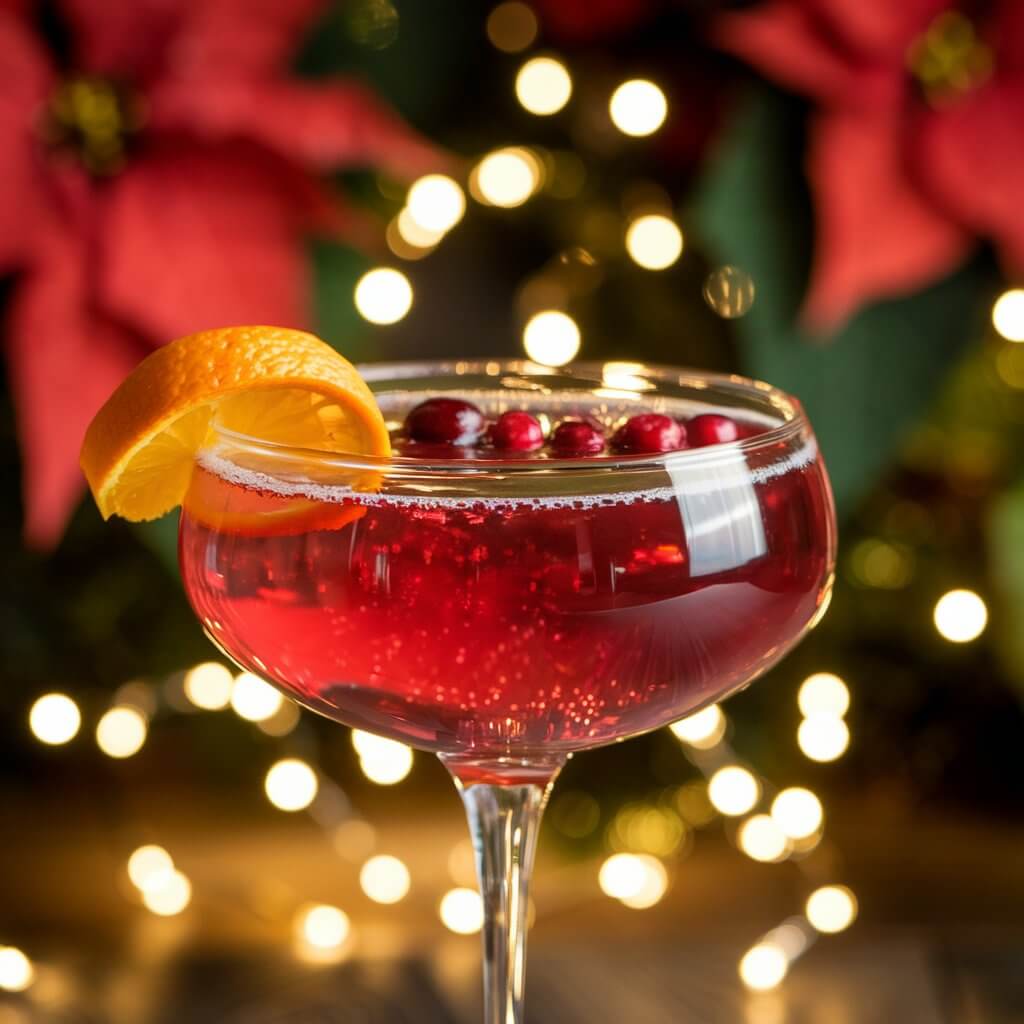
x=820 y=193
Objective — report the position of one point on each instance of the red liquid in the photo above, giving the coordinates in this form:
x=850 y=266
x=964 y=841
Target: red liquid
x=511 y=629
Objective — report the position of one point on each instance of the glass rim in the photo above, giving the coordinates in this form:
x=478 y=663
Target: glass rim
x=794 y=423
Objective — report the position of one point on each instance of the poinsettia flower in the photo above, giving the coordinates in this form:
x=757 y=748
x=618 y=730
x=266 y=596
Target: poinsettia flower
x=159 y=178
x=916 y=137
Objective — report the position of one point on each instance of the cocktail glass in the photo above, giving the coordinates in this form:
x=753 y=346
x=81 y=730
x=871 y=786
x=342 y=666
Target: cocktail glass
x=506 y=613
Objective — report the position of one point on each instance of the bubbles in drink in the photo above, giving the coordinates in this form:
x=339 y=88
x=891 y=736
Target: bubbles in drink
x=729 y=291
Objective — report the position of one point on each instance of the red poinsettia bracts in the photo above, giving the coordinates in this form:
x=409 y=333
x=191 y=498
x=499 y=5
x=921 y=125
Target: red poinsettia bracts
x=915 y=142
x=158 y=180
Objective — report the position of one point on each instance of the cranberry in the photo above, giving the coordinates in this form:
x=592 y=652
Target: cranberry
x=517 y=432
x=575 y=437
x=445 y=421
x=710 y=428
x=650 y=432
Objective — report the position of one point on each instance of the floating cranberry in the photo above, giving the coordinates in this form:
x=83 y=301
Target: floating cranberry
x=650 y=432
x=445 y=421
x=575 y=437
x=711 y=428
x=517 y=432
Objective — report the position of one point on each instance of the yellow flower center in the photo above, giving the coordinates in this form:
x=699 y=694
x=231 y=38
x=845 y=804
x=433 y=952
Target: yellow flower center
x=948 y=59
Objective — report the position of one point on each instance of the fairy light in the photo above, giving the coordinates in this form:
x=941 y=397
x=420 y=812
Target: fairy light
x=654 y=241
x=763 y=967
x=322 y=926
x=831 y=909
x=385 y=879
x=208 y=686
x=733 y=790
x=16 y=970
x=653 y=884
x=797 y=812
x=383 y=295
x=170 y=897
x=551 y=338
x=823 y=693
x=150 y=867
x=543 y=86
x=54 y=719
x=436 y=203
x=638 y=107
x=506 y=177
x=636 y=879
x=512 y=26
x=823 y=737
x=121 y=732
x=462 y=911
x=254 y=699
x=761 y=838
x=383 y=761
x=291 y=785
x=1008 y=314
x=960 y=616
x=702 y=730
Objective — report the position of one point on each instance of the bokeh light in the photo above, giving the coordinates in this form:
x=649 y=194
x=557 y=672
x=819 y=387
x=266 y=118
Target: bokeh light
x=506 y=177
x=1008 y=314
x=322 y=926
x=121 y=732
x=543 y=86
x=763 y=967
x=512 y=26
x=385 y=879
x=654 y=241
x=832 y=908
x=462 y=911
x=383 y=761
x=383 y=295
x=702 y=730
x=150 y=867
x=729 y=291
x=54 y=719
x=283 y=721
x=170 y=897
x=733 y=790
x=637 y=880
x=354 y=839
x=208 y=685
x=798 y=812
x=638 y=107
x=436 y=203
x=16 y=970
x=823 y=737
x=823 y=693
x=291 y=785
x=551 y=338
x=254 y=699
x=960 y=616
x=761 y=838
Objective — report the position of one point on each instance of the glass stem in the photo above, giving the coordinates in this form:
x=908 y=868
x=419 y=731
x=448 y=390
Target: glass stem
x=504 y=820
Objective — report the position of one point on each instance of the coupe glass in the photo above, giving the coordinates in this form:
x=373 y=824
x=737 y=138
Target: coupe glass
x=506 y=613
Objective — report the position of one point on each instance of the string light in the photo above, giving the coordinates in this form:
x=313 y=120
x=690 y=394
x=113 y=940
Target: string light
x=763 y=967
x=702 y=730
x=512 y=27
x=254 y=699
x=823 y=693
x=733 y=790
x=543 y=86
x=383 y=761
x=208 y=686
x=385 y=879
x=150 y=867
x=436 y=203
x=54 y=719
x=654 y=241
x=1008 y=314
x=761 y=838
x=823 y=737
x=638 y=107
x=462 y=911
x=551 y=338
x=960 y=616
x=797 y=812
x=832 y=908
x=322 y=926
x=170 y=897
x=16 y=970
x=383 y=295
x=506 y=177
x=121 y=732
x=291 y=785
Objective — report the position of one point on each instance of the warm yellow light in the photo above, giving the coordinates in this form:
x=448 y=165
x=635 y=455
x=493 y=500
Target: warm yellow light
x=384 y=879
x=654 y=241
x=383 y=295
x=763 y=967
x=543 y=86
x=121 y=732
x=16 y=970
x=798 y=812
x=551 y=338
x=171 y=897
x=512 y=26
x=462 y=911
x=291 y=785
x=960 y=616
x=283 y=721
x=150 y=867
x=823 y=737
x=623 y=376
x=355 y=839
x=54 y=719
x=462 y=863
x=702 y=730
x=760 y=838
x=823 y=693
x=383 y=761
x=208 y=686
x=253 y=699
x=506 y=177
x=638 y=107
x=1008 y=314
x=436 y=203
x=831 y=908
x=733 y=790
x=322 y=926
x=637 y=880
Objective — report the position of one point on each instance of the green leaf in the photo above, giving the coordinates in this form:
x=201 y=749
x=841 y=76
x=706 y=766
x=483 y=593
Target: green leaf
x=866 y=385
